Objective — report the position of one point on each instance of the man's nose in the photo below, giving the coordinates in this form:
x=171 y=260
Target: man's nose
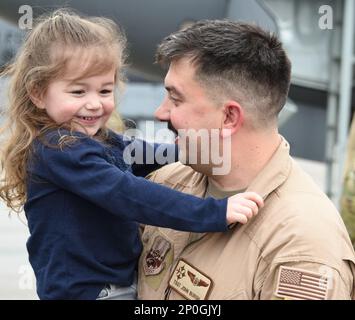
x=163 y=112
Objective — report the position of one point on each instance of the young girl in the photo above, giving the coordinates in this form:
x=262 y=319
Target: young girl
x=82 y=201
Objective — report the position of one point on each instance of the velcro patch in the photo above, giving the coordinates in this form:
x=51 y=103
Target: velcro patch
x=301 y=284
x=190 y=282
x=153 y=262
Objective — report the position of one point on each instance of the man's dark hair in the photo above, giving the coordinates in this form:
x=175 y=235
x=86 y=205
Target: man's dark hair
x=238 y=59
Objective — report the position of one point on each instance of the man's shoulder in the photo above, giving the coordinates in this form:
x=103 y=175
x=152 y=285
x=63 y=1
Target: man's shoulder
x=300 y=181
x=301 y=198
x=299 y=219
x=177 y=174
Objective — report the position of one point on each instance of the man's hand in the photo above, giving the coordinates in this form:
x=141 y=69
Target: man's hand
x=243 y=206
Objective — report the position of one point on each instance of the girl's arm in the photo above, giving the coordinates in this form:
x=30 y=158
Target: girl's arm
x=148 y=157
x=83 y=170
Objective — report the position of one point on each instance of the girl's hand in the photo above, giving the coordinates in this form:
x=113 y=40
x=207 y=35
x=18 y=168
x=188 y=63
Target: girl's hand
x=243 y=206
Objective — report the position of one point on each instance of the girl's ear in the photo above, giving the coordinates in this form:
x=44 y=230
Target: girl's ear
x=37 y=98
x=233 y=118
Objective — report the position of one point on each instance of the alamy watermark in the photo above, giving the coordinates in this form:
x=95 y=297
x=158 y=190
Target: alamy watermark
x=196 y=147
x=325 y=22
x=27 y=279
x=26 y=20
x=327 y=279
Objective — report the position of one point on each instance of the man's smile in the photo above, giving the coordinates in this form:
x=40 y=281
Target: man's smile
x=172 y=128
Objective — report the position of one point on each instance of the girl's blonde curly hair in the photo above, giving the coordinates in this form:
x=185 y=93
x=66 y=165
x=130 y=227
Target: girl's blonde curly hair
x=56 y=38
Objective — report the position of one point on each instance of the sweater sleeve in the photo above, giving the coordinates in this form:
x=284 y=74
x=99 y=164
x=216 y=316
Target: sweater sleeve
x=83 y=170
x=148 y=157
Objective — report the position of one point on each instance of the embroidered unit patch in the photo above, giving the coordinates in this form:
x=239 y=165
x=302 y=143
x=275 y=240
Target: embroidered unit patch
x=153 y=262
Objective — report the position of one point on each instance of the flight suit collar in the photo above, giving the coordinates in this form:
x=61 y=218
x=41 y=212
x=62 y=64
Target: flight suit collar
x=269 y=178
x=275 y=171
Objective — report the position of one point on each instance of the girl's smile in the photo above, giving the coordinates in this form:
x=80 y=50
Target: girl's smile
x=88 y=121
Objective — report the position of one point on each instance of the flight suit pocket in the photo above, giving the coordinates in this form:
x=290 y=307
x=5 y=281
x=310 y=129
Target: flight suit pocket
x=240 y=294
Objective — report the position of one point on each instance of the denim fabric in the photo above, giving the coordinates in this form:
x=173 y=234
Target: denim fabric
x=114 y=292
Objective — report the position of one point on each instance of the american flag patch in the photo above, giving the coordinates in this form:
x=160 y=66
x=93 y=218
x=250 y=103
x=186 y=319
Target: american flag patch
x=301 y=284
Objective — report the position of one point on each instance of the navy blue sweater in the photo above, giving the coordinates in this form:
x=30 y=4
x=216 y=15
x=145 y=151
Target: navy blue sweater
x=83 y=208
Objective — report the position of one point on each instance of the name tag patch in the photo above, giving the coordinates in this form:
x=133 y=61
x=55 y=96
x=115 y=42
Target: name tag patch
x=190 y=282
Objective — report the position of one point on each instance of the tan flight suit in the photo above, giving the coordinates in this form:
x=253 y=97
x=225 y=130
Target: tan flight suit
x=298 y=229
x=348 y=196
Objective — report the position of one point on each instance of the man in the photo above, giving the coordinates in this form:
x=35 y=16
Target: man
x=234 y=78
x=348 y=196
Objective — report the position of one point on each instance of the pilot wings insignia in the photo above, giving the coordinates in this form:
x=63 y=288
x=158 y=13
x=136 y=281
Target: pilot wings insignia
x=189 y=282
x=196 y=281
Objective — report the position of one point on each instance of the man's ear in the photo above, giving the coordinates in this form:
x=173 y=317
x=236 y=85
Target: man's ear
x=233 y=118
x=37 y=98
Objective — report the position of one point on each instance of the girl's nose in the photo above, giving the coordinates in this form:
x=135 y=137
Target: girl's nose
x=93 y=104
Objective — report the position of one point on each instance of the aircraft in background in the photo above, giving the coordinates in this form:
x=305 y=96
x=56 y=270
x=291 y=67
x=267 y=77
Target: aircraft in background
x=147 y=22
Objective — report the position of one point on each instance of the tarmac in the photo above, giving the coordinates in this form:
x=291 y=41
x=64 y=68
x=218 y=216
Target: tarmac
x=17 y=281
